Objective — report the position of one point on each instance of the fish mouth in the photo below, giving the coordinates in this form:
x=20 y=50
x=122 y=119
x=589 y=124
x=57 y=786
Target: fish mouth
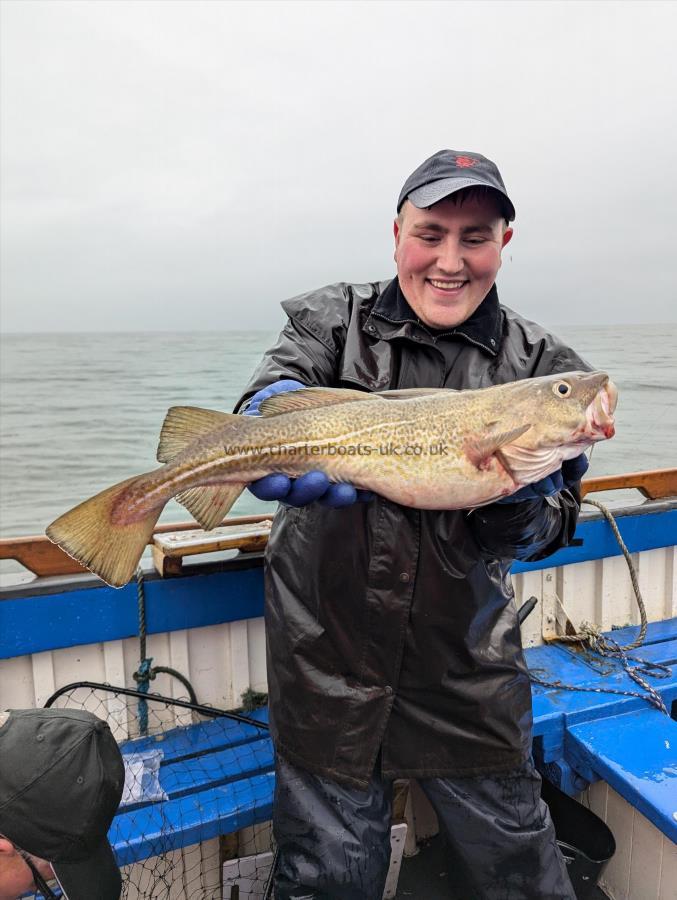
x=600 y=424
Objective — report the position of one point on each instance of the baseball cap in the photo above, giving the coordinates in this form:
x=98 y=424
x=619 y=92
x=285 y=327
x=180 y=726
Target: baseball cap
x=448 y=171
x=61 y=780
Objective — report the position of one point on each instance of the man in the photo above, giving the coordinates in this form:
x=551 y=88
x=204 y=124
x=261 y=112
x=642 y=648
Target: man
x=393 y=645
x=61 y=780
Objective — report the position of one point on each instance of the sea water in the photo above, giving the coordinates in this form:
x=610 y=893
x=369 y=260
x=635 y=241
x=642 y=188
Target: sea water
x=79 y=412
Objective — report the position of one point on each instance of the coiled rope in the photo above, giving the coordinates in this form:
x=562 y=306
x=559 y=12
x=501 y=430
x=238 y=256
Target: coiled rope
x=592 y=636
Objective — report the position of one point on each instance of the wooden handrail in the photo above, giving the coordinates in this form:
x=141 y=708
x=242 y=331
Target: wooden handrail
x=40 y=556
x=654 y=484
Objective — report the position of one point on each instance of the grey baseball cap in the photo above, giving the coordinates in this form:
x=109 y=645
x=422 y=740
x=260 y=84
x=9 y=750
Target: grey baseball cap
x=61 y=780
x=448 y=171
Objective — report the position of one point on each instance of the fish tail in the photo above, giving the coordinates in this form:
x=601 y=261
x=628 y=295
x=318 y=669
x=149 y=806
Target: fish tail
x=104 y=536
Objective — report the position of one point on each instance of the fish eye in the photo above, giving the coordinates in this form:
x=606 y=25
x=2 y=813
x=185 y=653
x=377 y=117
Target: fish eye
x=562 y=388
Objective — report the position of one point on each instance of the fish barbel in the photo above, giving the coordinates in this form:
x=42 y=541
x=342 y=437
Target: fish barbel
x=425 y=448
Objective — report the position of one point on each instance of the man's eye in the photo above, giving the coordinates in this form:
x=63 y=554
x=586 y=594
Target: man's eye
x=474 y=241
x=429 y=238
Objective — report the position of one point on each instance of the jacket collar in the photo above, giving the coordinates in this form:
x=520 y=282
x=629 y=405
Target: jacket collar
x=392 y=317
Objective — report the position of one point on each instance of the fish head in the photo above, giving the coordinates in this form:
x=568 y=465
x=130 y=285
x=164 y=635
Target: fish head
x=567 y=412
x=572 y=408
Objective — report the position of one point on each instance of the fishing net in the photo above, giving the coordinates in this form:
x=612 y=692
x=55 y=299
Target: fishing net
x=194 y=821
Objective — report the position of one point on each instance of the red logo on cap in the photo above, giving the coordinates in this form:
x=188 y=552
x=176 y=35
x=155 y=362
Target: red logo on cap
x=465 y=162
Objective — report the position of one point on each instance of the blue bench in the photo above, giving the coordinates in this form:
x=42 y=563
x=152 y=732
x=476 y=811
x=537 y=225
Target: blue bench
x=583 y=736
x=219 y=775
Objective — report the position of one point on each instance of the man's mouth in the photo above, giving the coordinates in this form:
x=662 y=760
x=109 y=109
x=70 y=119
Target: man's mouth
x=448 y=285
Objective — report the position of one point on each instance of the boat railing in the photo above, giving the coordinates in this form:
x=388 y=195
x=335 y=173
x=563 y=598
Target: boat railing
x=171 y=542
x=206 y=622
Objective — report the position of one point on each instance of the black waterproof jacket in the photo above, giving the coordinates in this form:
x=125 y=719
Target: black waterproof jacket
x=388 y=627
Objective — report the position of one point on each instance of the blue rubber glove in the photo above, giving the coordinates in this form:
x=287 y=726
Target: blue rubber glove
x=306 y=488
x=572 y=471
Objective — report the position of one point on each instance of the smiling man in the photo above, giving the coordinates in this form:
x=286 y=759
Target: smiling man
x=448 y=256
x=393 y=644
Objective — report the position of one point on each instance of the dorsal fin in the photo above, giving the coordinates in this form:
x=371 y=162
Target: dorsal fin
x=307 y=398
x=412 y=393
x=185 y=424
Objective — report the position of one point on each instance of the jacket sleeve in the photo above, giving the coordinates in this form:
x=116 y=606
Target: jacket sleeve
x=297 y=354
x=532 y=529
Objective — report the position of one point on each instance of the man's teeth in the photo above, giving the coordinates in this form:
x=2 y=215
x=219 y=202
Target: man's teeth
x=447 y=285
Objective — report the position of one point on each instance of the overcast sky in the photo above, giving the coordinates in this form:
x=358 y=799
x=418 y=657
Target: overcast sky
x=187 y=165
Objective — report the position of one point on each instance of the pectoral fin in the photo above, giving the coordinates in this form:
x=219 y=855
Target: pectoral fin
x=481 y=448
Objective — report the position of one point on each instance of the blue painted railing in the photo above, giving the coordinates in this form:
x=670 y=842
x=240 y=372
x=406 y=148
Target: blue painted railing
x=82 y=610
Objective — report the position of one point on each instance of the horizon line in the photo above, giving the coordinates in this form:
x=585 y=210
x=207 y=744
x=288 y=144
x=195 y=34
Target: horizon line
x=555 y=325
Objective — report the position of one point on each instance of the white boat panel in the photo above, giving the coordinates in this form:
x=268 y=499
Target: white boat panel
x=44 y=683
x=671 y=583
x=653 y=581
x=577 y=587
x=223 y=660
x=668 y=888
x=646 y=856
x=204 y=655
x=16 y=683
x=179 y=654
x=600 y=591
x=619 y=819
x=644 y=866
x=113 y=662
x=74 y=666
x=239 y=659
x=257 y=654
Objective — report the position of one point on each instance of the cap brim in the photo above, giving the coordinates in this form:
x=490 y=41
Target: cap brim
x=97 y=876
x=432 y=193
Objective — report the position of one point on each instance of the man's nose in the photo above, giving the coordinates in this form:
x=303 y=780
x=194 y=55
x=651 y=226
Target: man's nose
x=450 y=258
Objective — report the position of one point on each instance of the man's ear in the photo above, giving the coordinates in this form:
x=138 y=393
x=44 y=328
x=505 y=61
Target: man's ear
x=507 y=235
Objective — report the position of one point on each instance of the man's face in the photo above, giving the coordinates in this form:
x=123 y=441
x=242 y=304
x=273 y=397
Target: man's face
x=15 y=876
x=448 y=257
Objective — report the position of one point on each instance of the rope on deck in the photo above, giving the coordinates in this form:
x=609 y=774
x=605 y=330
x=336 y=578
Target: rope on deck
x=592 y=636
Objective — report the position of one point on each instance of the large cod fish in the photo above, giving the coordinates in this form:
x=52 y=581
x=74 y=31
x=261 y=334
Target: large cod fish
x=426 y=448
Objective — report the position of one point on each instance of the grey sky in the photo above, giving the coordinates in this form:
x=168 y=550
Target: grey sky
x=187 y=165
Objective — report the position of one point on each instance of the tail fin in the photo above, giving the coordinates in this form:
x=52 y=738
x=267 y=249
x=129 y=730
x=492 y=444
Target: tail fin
x=111 y=550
